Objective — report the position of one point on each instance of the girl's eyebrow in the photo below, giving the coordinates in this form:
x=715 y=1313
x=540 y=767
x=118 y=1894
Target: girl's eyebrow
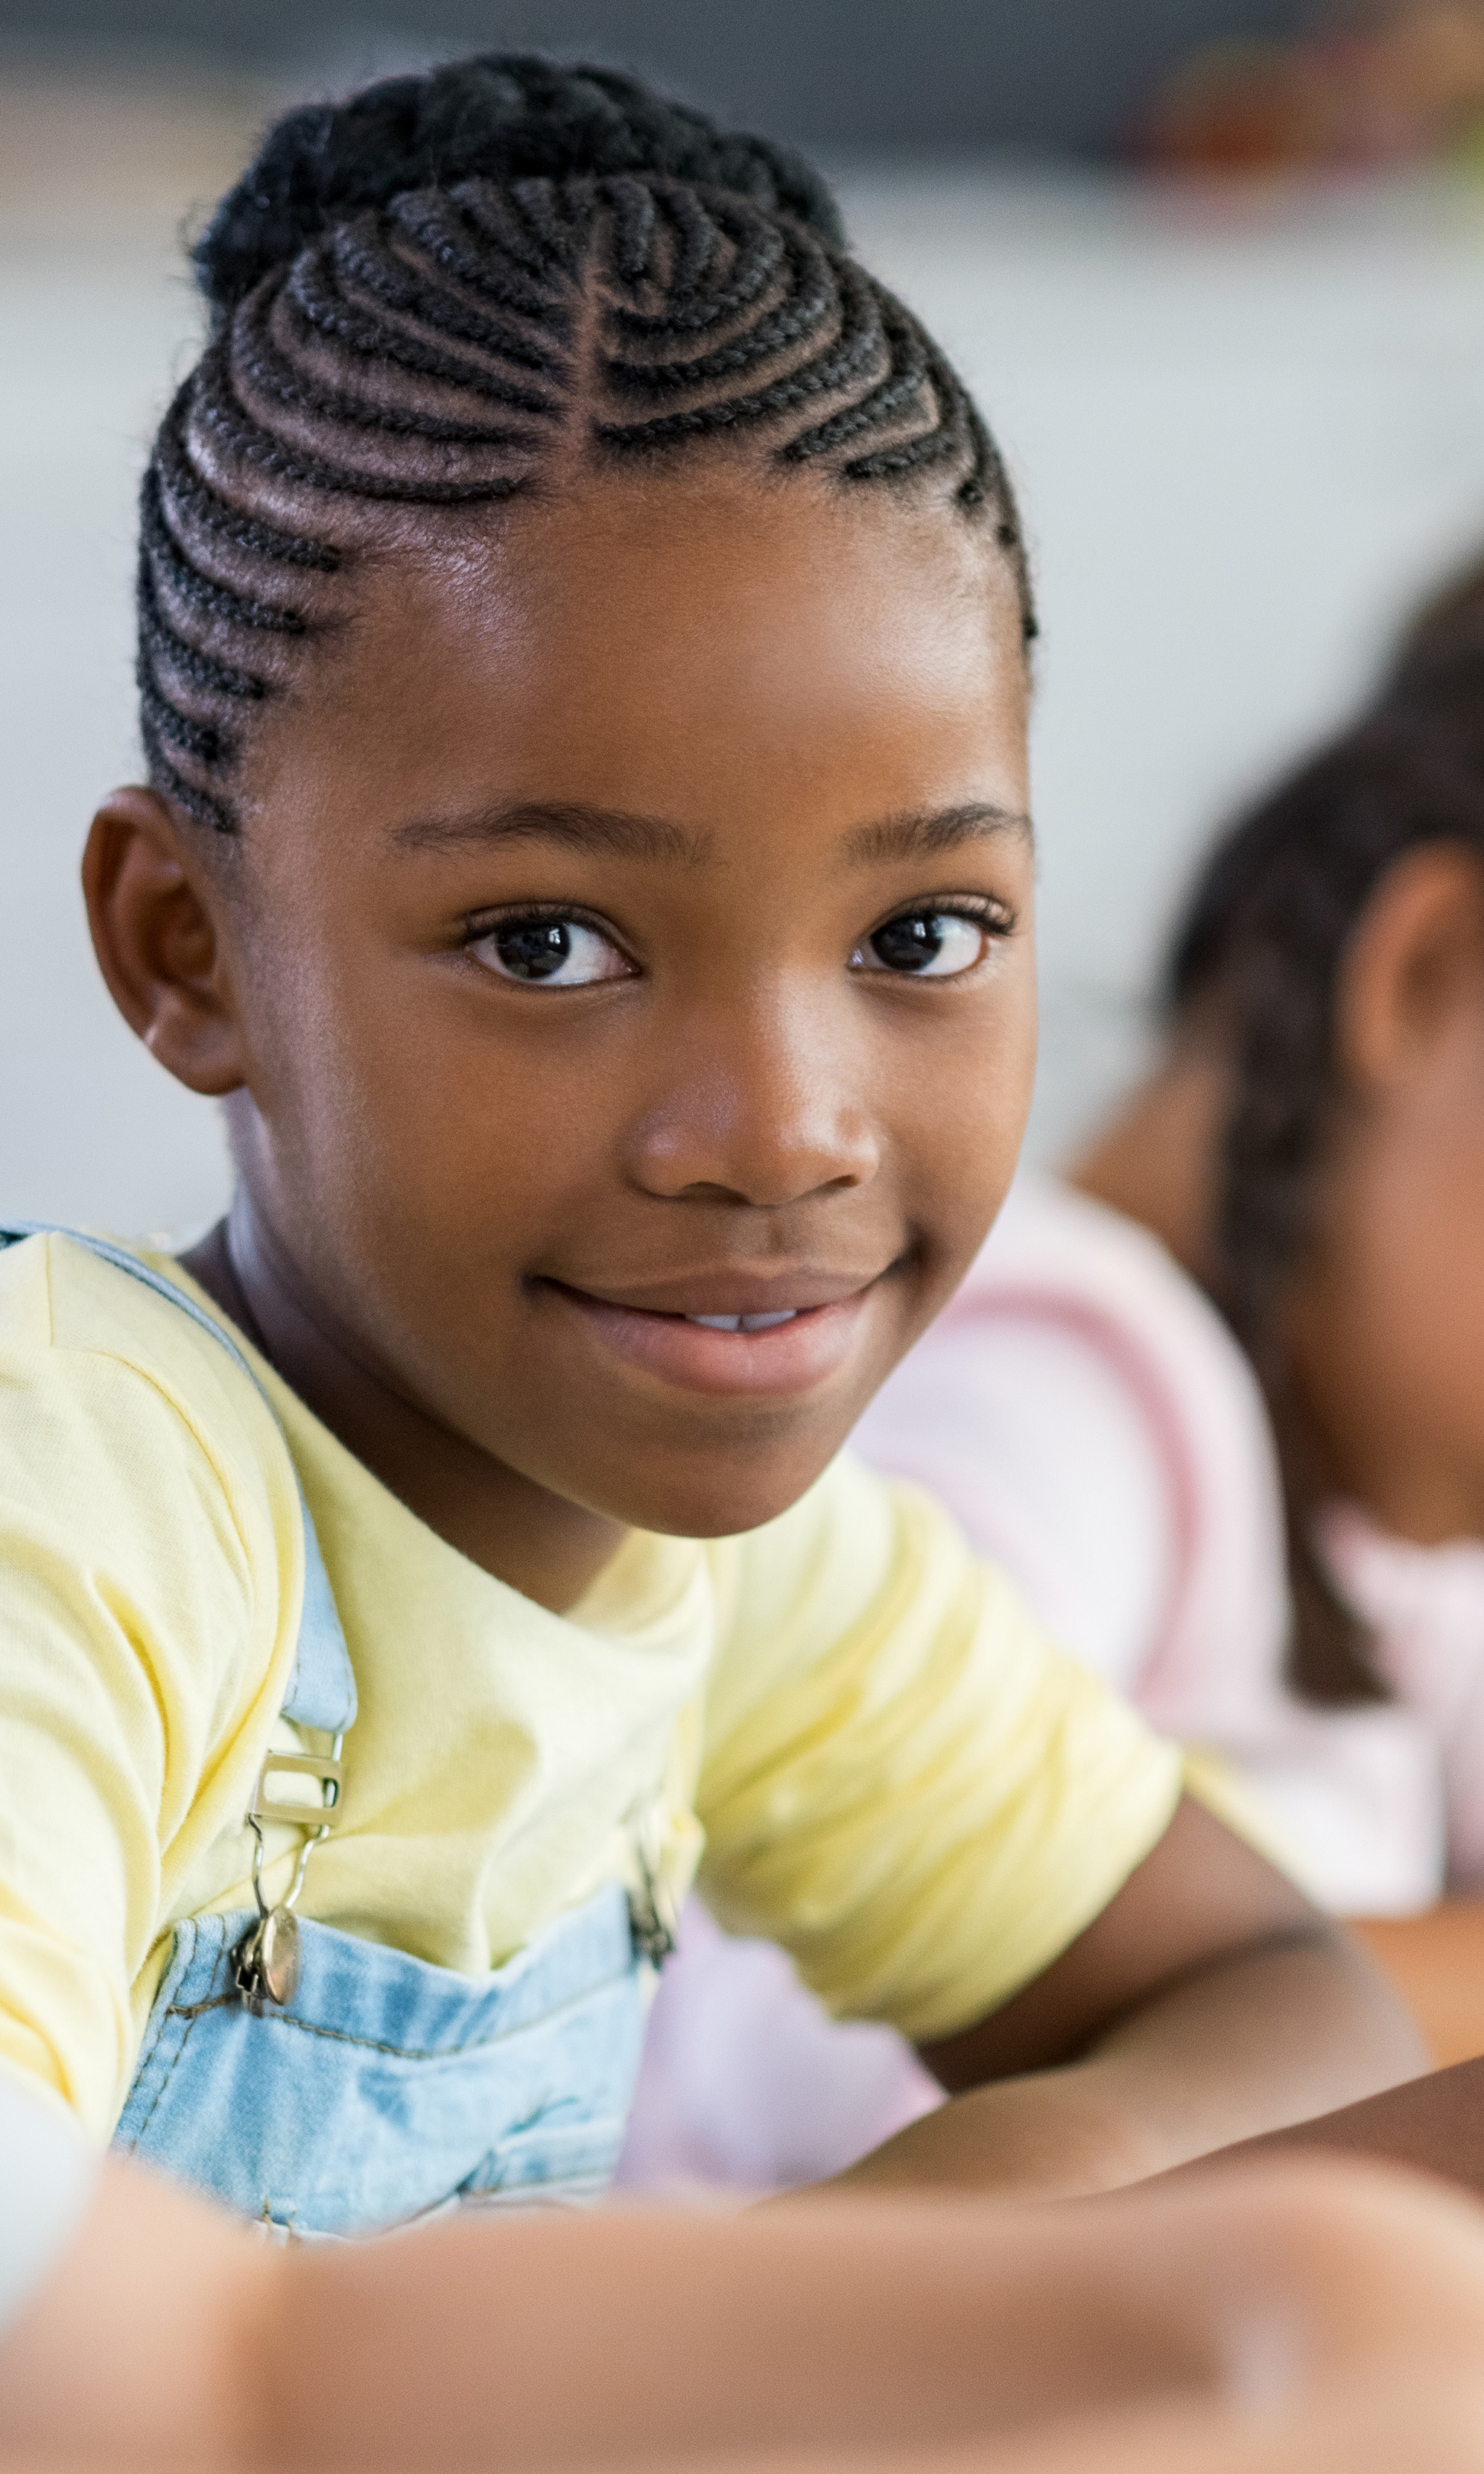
x=928 y=832
x=922 y=833
x=558 y=820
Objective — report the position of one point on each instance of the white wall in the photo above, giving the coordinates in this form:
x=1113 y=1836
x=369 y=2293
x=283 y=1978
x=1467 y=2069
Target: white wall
x=96 y=318
x=91 y=1129
x=1243 y=438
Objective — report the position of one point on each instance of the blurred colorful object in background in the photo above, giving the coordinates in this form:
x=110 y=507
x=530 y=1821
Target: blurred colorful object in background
x=1380 y=88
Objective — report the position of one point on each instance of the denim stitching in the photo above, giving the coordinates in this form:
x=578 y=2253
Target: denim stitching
x=373 y=2045
x=190 y=2014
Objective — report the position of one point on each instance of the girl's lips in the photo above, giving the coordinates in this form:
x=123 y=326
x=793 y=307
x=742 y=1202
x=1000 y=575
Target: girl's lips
x=792 y=1356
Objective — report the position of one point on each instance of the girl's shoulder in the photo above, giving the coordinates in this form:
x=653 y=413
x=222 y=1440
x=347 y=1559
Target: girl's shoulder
x=152 y=1555
x=133 y=1428
x=117 y=1334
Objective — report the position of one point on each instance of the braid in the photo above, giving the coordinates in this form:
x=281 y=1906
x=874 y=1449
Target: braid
x=453 y=289
x=1263 y=943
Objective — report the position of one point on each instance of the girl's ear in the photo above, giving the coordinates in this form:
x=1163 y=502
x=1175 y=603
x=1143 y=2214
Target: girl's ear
x=156 y=910
x=1415 y=962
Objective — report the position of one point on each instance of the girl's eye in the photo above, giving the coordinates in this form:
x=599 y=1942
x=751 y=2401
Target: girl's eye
x=929 y=944
x=550 y=953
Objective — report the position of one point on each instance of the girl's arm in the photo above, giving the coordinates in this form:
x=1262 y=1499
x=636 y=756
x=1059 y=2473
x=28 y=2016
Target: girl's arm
x=1208 y=1993
x=1436 y=1961
x=1410 y=2424
x=944 y=1819
x=169 y=2335
x=1434 y=2124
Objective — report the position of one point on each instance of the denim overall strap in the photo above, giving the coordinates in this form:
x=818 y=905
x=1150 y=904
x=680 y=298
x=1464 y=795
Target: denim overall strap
x=322 y=1682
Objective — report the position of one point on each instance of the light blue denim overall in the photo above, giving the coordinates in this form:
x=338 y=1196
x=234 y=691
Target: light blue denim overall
x=381 y=2088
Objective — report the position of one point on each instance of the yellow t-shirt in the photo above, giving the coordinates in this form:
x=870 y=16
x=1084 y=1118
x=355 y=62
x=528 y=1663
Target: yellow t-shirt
x=878 y=1757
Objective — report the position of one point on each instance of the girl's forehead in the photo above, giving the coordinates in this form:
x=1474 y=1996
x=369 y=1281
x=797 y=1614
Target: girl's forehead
x=703 y=653
x=638 y=575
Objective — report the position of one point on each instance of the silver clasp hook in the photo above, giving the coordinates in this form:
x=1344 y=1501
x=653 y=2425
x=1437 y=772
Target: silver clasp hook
x=266 y=1964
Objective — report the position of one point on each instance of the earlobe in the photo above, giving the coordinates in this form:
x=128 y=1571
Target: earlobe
x=155 y=919
x=1415 y=959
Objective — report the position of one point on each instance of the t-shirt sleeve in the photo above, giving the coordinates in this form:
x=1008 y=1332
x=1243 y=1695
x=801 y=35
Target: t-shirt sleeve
x=905 y=1783
x=138 y=1621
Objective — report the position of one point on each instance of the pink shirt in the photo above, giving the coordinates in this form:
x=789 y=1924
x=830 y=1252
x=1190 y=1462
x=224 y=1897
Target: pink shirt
x=1087 y=1416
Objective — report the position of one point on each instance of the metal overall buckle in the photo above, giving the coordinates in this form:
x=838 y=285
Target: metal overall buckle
x=266 y=1962
x=651 y=1913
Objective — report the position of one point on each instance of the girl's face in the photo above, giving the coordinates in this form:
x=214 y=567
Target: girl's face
x=632 y=933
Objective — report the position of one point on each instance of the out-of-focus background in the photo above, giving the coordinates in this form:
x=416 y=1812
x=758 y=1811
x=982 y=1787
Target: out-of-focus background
x=1215 y=269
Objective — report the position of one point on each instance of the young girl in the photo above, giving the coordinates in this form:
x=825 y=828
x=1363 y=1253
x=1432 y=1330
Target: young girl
x=1279 y=1551
x=581 y=656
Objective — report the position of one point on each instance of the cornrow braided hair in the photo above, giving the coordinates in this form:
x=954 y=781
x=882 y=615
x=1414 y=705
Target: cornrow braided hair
x=1262 y=946
x=460 y=288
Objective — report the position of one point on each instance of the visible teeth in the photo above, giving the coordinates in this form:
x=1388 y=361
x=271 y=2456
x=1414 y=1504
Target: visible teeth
x=744 y=1322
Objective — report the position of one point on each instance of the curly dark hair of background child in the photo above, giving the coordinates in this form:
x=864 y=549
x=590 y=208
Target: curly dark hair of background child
x=1258 y=959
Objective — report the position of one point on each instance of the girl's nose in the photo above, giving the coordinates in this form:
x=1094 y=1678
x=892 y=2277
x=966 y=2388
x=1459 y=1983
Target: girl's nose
x=765 y=1111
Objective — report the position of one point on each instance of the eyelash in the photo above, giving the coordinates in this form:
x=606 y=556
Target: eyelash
x=991 y=916
x=981 y=908
x=484 y=923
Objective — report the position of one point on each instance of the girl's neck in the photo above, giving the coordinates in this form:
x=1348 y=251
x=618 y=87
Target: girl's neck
x=536 y=1541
